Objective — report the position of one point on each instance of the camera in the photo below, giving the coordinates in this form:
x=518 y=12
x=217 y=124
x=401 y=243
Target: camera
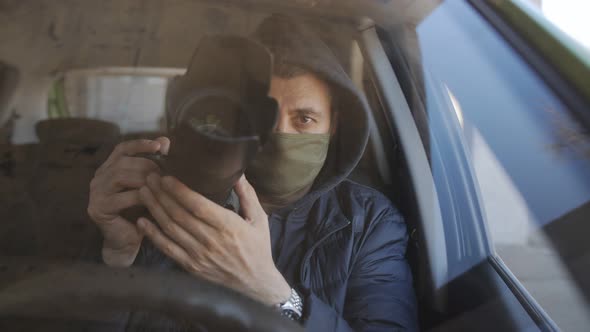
x=218 y=115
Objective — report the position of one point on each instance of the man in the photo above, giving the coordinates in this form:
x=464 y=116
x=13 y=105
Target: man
x=304 y=230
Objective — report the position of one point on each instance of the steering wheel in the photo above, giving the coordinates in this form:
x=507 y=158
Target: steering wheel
x=89 y=291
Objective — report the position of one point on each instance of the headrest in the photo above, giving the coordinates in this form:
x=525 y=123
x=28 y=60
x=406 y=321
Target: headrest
x=76 y=130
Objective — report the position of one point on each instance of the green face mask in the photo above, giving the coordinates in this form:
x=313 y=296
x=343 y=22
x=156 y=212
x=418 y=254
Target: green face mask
x=287 y=166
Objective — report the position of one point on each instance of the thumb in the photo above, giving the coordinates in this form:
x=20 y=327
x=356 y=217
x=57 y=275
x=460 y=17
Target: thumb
x=164 y=144
x=249 y=203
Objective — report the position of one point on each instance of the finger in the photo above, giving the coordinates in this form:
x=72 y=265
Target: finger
x=136 y=164
x=197 y=228
x=164 y=144
x=118 y=202
x=131 y=148
x=174 y=231
x=165 y=245
x=126 y=162
x=198 y=205
x=249 y=203
x=119 y=180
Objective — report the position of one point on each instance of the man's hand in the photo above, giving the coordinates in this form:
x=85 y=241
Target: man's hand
x=115 y=187
x=213 y=242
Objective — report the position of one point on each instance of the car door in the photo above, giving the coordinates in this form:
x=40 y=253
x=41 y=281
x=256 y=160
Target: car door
x=501 y=107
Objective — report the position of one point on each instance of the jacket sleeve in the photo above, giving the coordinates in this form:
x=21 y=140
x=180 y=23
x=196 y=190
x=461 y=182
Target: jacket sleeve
x=380 y=295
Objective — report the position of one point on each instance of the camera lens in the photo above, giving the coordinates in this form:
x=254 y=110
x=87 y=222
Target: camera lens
x=217 y=116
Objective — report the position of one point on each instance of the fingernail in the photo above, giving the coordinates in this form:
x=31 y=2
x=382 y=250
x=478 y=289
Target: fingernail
x=141 y=223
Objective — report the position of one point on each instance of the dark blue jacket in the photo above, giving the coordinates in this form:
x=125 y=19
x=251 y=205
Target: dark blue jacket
x=353 y=271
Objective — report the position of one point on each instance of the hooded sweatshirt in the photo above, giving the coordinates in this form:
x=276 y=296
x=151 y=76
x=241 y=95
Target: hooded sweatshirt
x=342 y=245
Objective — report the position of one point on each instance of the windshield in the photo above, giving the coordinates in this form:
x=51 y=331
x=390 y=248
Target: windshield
x=146 y=146
x=283 y=166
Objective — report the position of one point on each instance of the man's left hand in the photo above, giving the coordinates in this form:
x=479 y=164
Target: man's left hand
x=212 y=242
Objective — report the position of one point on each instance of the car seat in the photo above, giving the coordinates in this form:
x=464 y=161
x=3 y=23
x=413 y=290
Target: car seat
x=68 y=154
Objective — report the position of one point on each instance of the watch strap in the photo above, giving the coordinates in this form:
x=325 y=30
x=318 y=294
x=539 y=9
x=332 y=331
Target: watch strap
x=293 y=307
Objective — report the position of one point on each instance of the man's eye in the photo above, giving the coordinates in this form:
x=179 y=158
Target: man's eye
x=305 y=119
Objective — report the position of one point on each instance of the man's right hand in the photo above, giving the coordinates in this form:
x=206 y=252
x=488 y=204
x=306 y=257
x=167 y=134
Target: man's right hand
x=115 y=187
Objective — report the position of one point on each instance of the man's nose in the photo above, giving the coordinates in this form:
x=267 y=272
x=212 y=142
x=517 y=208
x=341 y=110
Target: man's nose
x=280 y=127
x=283 y=125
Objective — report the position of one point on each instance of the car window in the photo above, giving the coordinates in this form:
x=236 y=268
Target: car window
x=132 y=98
x=526 y=154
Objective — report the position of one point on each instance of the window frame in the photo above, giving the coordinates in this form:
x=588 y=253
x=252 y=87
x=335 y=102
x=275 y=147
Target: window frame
x=545 y=51
x=557 y=84
x=401 y=123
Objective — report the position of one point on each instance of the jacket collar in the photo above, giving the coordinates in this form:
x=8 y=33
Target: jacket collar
x=309 y=208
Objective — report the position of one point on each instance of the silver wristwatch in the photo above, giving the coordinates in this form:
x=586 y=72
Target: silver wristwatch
x=293 y=307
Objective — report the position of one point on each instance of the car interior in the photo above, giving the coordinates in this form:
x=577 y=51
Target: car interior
x=48 y=157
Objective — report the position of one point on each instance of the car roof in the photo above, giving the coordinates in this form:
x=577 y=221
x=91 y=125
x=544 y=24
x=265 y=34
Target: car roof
x=51 y=36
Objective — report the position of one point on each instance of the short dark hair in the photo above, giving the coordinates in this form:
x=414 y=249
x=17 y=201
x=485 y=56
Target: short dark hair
x=288 y=70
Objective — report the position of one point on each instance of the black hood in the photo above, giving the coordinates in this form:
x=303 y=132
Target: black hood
x=292 y=42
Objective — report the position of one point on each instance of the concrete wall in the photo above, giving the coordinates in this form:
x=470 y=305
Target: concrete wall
x=53 y=35
x=45 y=38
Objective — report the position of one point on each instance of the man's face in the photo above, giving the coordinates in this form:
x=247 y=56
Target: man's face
x=304 y=104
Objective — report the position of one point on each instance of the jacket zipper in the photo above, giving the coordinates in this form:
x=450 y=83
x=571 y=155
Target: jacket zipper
x=308 y=254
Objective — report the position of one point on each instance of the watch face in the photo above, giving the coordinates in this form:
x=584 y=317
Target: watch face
x=293 y=308
x=291 y=314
